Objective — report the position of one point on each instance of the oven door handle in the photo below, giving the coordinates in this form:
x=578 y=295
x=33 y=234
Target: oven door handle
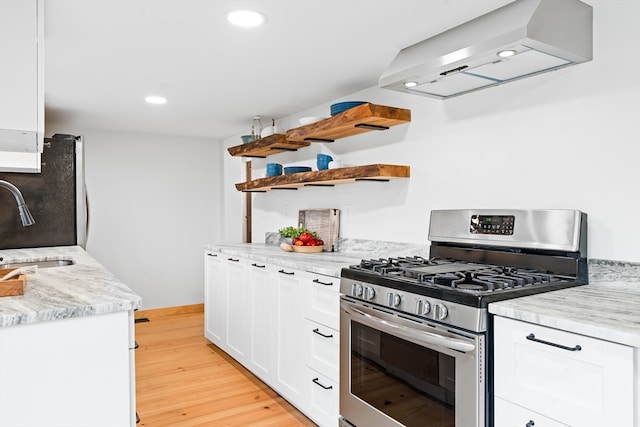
x=415 y=335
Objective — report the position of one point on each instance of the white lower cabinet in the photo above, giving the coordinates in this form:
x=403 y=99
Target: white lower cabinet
x=264 y=336
x=215 y=299
x=74 y=372
x=556 y=378
x=322 y=334
x=323 y=349
x=323 y=398
x=238 y=302
x=227 y=298
x=290 y=351
x=281 y=324
x=511 y=415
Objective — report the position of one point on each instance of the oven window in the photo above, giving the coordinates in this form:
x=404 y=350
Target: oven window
x=412 y=384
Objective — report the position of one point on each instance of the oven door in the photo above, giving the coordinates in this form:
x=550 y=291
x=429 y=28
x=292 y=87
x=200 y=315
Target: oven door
x=400 y=370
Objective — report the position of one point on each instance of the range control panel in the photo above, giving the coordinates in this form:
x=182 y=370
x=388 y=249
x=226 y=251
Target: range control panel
x=492 y=224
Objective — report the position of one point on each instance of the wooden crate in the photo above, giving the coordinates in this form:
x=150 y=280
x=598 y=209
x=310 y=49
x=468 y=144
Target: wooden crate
x=325 y=222
x=13 y=286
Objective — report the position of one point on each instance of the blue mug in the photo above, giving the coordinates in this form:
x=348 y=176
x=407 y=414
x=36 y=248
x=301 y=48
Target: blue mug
x=274 y=169
x=323 y=161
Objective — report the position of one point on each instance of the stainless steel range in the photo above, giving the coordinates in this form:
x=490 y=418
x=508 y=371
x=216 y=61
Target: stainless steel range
x=415 y=332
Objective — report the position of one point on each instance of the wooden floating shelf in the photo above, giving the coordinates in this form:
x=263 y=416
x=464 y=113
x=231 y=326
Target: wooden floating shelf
x=326 y=178
x=354 y=121
x=363 y=118
x=267 y=146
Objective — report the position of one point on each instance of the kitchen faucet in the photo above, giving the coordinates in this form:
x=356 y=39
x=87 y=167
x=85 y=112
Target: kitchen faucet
x=25 y=215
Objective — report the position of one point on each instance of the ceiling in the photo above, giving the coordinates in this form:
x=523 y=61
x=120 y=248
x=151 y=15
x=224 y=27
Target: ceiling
x=102 y=57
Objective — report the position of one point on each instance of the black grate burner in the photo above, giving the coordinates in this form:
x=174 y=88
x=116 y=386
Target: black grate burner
x=458 y=275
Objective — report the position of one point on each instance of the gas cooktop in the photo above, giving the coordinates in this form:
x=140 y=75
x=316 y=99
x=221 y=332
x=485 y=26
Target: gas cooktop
x=455 y=280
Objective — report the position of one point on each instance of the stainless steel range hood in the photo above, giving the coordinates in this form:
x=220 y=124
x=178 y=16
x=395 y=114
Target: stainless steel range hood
x=541 y=35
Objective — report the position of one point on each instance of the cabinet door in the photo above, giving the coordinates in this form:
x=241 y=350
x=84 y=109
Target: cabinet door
x=585 y=383
x=323 y=349
x=323 y=300
x=21 y=85
x=215 y=296
x=324 y=397
x=508 y=414
x=66 y=372
x=290 y=353
x=238 y=307
x=19 y=65
x=264 y=333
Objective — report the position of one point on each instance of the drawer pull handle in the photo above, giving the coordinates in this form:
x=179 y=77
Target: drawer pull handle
x=530 y=424
x=317 y=331
x=258 y=265
x=315 y=380
x=233 y=260
x=532 y=337
x=288 y=273
x=207 y=255
x=322 y=283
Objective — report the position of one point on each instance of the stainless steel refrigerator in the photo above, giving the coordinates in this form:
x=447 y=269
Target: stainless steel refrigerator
x=56 y=198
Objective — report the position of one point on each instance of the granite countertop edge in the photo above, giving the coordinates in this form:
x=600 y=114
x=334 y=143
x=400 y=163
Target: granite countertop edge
x=325 y=263
x=82 y=289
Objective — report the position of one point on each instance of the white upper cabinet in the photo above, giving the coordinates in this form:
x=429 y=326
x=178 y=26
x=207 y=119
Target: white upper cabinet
x=21 y=85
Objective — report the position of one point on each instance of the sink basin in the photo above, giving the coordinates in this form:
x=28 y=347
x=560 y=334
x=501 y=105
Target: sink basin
x=40 y=264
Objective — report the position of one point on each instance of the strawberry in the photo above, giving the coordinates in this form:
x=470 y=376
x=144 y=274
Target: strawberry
x=306 y=237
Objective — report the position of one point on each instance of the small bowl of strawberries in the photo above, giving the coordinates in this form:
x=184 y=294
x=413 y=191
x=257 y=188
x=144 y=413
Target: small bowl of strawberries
x=303 y=240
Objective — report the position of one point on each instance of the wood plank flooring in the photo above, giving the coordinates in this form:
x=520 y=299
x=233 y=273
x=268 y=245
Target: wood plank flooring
x=183 y=380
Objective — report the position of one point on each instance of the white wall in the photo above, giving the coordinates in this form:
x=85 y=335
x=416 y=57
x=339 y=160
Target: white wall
x=154 y=202
x=566 y=139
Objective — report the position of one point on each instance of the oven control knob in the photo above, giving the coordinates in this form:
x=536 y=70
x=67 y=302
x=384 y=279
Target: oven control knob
x=423 y=307
x=440 y=312
x=356 y=290
x=369 y=293
x=393 y=299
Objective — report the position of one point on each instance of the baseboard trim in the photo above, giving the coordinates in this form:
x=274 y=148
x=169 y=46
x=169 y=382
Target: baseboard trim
x=169 y=311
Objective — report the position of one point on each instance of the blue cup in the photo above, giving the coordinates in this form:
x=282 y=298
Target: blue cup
x=274 y=169
x=323 y=161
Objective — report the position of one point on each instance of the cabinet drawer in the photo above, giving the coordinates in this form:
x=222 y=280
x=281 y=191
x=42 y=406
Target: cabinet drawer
x=508 y=414
x=577 y=380
x=324 y=397
x=324 y=349
x=323 y=300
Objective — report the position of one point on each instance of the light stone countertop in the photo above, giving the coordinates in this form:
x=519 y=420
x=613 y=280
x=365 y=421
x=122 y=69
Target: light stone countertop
x=82 y=289
x=607 y=308
x=326 y=263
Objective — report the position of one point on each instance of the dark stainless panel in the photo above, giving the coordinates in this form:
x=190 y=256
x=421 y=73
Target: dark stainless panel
x=50 y=196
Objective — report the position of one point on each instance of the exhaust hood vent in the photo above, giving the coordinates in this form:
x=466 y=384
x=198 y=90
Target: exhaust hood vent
x=521 y=39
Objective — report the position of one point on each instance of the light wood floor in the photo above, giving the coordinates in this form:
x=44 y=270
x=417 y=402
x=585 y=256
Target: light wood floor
x=184 y=380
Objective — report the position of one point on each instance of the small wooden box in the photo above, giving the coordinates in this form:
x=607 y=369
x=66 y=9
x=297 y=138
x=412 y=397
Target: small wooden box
x=325 y=222
x=13 y=286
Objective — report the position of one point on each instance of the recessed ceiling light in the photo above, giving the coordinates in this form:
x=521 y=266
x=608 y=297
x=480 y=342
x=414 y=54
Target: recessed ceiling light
x=410 y=84
x=156 y=100
x=246 y=18
x=506 y=53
